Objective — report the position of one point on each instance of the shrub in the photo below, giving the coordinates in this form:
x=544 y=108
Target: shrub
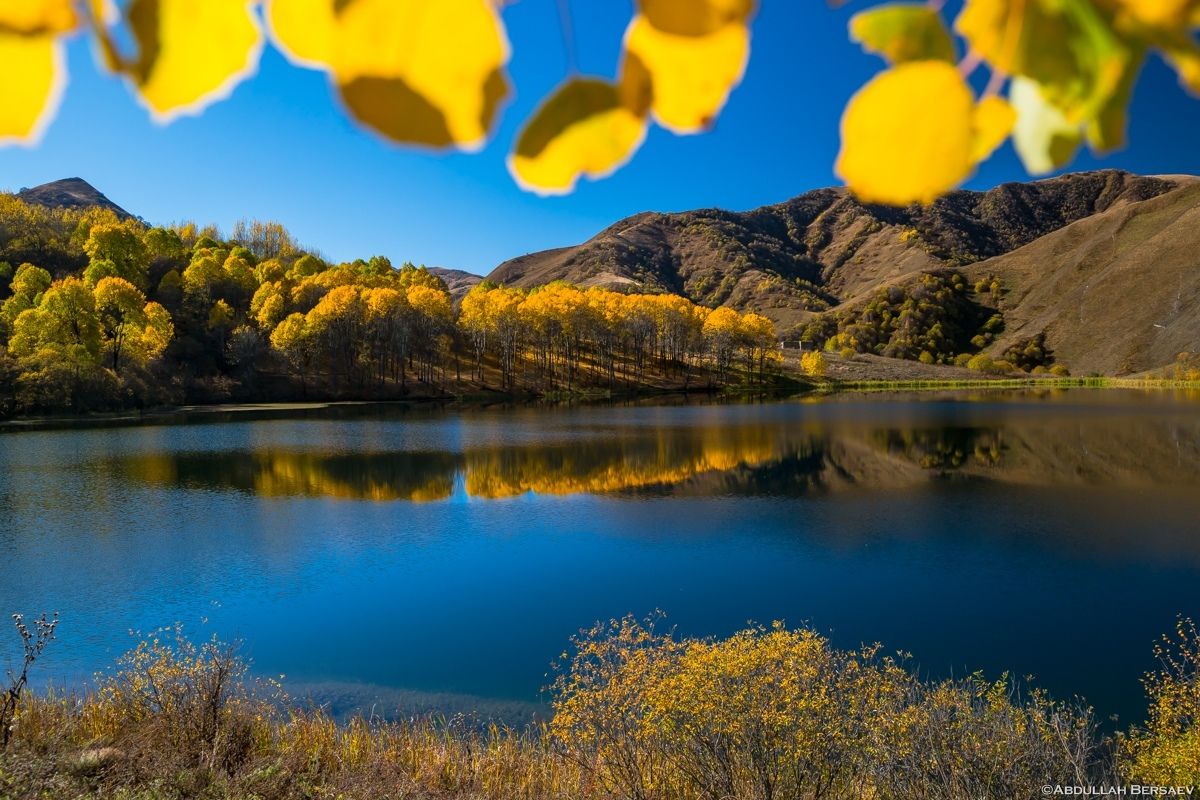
x=1030 y=353
x=639 y=714
x=962 y=359
x=33 y=643
x=773 y=712
x=1060 y=370
x=934 y=313
x=1167 y=750
x=192 y=700
x=981 y=363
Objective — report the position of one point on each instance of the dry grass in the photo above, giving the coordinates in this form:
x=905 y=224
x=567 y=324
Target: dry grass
x=767 y=714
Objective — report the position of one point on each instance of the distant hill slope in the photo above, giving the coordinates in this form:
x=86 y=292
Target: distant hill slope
x=70 y=193
x=458 y=281
x=1115 y=293
x=825 y=251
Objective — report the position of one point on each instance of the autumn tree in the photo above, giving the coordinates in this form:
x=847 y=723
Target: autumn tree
x=336 y=324
x=476 y=323
x=65 y=321
x=118 y=251
x=389 y=321
x=120 y=309
x=26 y=289
x=432 y=322
x=266 y=240
x=293 y=340
x=722 y=336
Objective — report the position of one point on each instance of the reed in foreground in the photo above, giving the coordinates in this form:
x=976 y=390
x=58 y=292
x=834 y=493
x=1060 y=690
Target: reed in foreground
x=639 y=714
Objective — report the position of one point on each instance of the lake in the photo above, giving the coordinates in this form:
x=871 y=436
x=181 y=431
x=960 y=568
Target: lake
x=423 y=558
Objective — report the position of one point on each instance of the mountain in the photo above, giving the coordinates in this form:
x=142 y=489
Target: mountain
x=70 y=193
x=1099 y=263
x=1115 y=293
x=458 y=281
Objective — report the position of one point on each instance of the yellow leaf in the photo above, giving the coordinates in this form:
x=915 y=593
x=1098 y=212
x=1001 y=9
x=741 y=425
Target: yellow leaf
x=426 y=72
x=908 y=136
x=32 y=17
x=190 y=54
x=994 y=120
x=1045 y=138
x=691 y=76
x=1180 y=50
x=303 y=30
x=1107 y=131
x=585 y=128
x=1161 y=13
x=28 y=103
x=1187 y=64
x=903 y=32
x=695 y=17
x=1067 y=46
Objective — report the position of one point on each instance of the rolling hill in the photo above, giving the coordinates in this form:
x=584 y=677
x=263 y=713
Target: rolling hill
x=70 y=193
x=1100 y=263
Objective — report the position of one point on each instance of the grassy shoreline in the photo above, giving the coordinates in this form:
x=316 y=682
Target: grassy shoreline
x=638 y=714
x=796 y=387
x=1016 y=383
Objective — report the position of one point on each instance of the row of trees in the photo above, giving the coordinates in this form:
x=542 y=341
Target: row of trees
x=565 y=330
x=131 y=315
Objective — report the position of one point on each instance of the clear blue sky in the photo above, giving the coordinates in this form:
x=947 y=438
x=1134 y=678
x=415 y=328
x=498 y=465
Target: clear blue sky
x=280 y=148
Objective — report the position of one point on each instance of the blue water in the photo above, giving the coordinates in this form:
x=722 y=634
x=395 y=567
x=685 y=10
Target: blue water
x=441 y=559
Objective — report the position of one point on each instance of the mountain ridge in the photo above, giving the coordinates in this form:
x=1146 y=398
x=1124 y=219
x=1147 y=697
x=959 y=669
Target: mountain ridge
x=823 y=255
x=70 y=193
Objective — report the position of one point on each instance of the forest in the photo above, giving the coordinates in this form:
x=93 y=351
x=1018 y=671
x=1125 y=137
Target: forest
x=101 y=313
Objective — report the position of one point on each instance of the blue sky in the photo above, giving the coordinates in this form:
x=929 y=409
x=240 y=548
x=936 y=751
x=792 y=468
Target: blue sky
x=280 y=148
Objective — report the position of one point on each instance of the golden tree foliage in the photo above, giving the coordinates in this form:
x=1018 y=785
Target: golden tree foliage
x=563 y=328
x=110 y=322
x=813 y=364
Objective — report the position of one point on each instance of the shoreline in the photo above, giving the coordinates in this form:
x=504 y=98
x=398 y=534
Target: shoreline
x=251 y=411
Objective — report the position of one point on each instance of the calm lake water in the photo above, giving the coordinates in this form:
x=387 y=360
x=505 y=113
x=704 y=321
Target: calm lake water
x=440 y=559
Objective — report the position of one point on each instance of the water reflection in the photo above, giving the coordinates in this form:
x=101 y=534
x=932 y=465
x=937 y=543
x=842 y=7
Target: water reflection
x=417 y=477
x=714 y=460
x=980 y=532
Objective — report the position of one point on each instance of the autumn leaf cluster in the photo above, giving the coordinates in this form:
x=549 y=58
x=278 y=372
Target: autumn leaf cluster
x=431 y=73
x=1061 y=74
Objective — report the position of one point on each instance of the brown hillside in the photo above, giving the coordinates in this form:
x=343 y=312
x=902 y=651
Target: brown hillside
x=1116 y=293
x=458 y=282
x=822 y=248
x=70 y=193
x=1074 y=253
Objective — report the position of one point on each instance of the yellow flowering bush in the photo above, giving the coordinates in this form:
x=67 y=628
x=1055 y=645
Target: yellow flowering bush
x=1167 y=750
x=773 y=712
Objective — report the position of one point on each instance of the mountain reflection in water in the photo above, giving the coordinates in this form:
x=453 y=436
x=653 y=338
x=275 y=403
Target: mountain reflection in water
x=441 y=558
x=725 y=460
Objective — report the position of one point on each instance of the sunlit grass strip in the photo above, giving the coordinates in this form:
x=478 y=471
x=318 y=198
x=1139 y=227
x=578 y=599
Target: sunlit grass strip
x=1014 y=383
